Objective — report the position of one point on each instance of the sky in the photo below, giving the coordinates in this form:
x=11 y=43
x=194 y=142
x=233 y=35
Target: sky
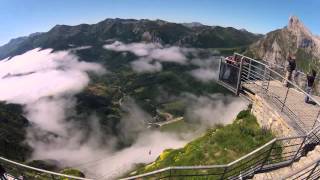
x=23 y=17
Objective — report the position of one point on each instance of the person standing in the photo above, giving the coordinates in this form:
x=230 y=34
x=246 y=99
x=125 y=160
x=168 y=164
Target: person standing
x=291 y=66
x=310 y=83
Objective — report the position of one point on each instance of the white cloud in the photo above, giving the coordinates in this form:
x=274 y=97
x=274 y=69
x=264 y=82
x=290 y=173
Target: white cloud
x=151 y=51
x=36 y=74
x=143 y=65
x=204 y=74
x=97 y=156
x=45 y=82
x=170 y=54
x=139 y=49
x=208 y=69
x=124 y=160
x=214 y=109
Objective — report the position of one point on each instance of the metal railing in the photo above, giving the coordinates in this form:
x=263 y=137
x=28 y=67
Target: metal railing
x=309 y=172
x=277 y=153
x=286 y=95
x=21 y=171
x=299 y=77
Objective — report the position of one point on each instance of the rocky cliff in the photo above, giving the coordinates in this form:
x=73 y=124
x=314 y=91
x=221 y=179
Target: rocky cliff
x=294 y=39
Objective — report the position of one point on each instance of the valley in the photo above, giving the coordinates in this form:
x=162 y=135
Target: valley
x=124 y=86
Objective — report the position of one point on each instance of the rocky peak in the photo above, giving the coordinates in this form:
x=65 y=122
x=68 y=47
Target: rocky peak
x=295 y=38
x=294 y=22
x=298 y=28
x=304 y=37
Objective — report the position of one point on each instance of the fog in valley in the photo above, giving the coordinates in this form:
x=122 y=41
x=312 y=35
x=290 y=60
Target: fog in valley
x=45 y=83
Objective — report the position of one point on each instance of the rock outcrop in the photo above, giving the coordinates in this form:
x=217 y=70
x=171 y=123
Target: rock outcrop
x=294 y=39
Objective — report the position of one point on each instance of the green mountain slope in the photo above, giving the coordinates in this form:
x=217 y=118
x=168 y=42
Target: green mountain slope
x=219 y=145
x=130 y=30
x=12 y=133
x=153 y=92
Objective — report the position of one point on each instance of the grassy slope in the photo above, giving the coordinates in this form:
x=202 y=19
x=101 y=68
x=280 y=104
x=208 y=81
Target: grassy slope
x=219 y=145
x=179 y=127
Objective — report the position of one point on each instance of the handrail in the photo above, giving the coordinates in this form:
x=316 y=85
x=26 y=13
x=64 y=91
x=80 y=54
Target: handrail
x=315 y=163
x=278 y=66
x=213 y=166
x=291 y=83
x=273 y=74
x=229 y=165
x=255 y=151
x=147 y=174
x=311 y=131
x=202 y=167
x=296 y=86
x=43 y=171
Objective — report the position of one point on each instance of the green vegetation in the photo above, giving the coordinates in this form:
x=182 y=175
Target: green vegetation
x=174 y=107
x=49 y=165
x=230 y=51
x=305 y=61
x=71 y=172
x=12 y=133
x=105 y=93
x=179 y=127
x=219 y=145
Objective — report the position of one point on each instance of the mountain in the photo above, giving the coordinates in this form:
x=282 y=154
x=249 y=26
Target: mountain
x=192 y=24
x=169 y=90
x=131 y=30
x=294 y=39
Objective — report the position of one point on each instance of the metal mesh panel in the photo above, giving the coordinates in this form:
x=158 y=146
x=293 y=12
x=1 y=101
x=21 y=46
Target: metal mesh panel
x=229 y=74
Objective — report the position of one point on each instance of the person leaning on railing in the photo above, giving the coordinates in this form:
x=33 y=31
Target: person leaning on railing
x=311 y=76
x=291 y=66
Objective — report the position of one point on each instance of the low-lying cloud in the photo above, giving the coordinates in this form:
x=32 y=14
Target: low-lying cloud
x=214 y=109
x=150 y=50
x=204 y=74
x=45 y=83
x=29 y=77
x=151 y=55
x=208 y=69
x=146 y=65
x=97 y=156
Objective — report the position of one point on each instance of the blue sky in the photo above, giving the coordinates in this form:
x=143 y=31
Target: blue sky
x=22 y=17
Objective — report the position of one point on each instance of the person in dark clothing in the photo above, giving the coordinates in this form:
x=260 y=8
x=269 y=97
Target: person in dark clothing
x=310 y=83
x=291 y=66
x=2 y=172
